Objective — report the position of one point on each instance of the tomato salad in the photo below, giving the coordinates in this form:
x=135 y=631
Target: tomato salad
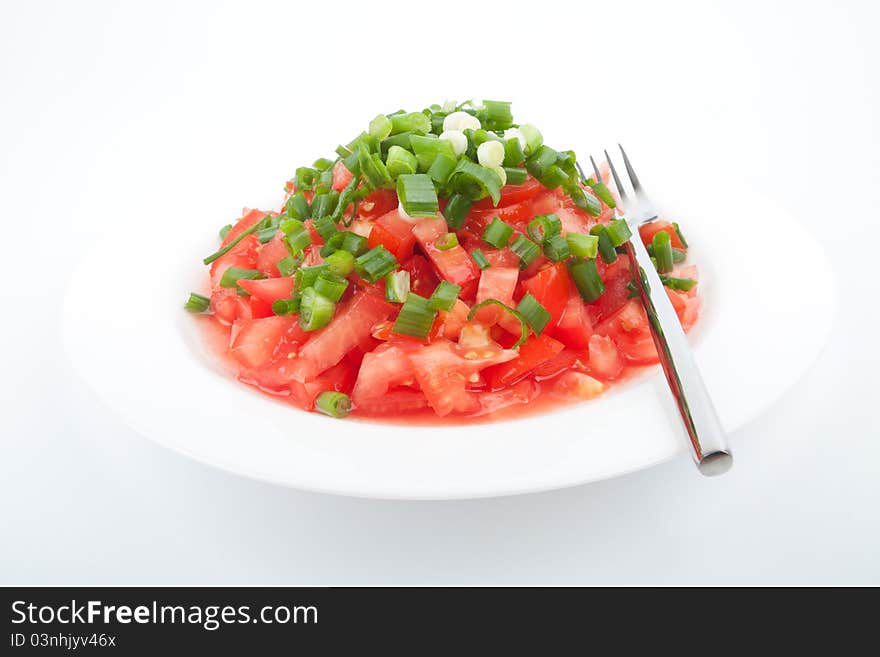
x=445 y=263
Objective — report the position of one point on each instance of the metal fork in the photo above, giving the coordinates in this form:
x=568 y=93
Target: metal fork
x=708 y=444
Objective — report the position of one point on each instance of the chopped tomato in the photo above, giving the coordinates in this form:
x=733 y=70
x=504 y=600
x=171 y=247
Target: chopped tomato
x=605 y=360
x=574 y=327
x=551 y=288
x=396 y=401
x=352 y=323
x=455 y=319
x=423 y=280
x=243 y=255
x=535 y=351
x=453 y=265
x=269 y=289
x=394 y=233
x=341 y=176
x=519 y=393
x=577 y=385
x=260 y=308
x=257 y=339
x=382 y=369
x=248 y=219
x=496 y=283
x=270 y=253
x=647 y=232
x=617 y=276
x=511 y=194
x=228 y=305
x=564 y=360
x=378 y=203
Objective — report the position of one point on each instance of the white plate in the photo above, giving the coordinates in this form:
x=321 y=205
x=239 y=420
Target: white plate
x=768 y=308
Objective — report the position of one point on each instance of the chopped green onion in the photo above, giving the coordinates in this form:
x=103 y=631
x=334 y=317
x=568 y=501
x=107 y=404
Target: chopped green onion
x=323 y=205
x=515 y=175
x=232 y=275
x=416 y=317
x=523 y=324
x=513 y=153
x=480 y=258
x=372 y=168
x=332 y=403
x=556 y=248
x=287 y=265
x=331 y=286
x=618 y=232
x=541 y=161
x=263 y=223
x=267 y=234
x=323 y=164
x=412 y=122
x=340 y=262
x=333 y=243
x=534 y=313
x=380 y=127
x=306 y=276
x=400 y=161
x=442 y=168
x=497 y=233
x=498 y=115
x=583 y=246
x=197 y=303
x=446 y=241
x=475 y=181
x=554 y=177
x=601 y=190
x=298 y=240
x=325 y=226
x=428 y=147
x=680 y=234
x=678 y=255
x=402 y=140
x=315 y=310
x=606 y=247
x=417 y=195
x=297 y=207
x=325 y=182
x=680 y=284
x=225 y=231
x=397 y=286
x=287 y=306
x=534 y=139
x=456 y=210
x=526 y=249
x=544 y=226
x=353 y=243
x=289 y=226
x=444 y=296
x=567 y=161
x=662 y=244
x=584 y=200
x=586 y=278
x=304 y=178
x=375 y=264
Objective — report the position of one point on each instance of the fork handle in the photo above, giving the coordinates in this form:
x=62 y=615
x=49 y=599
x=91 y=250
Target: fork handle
x=708 y=444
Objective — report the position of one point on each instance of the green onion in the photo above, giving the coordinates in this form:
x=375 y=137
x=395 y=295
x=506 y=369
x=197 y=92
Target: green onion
x=417 y=195
x=331 y=286
x=444 y=296
x=554 y=177
x=225 y=231
x=618 y=232
x=678 y=255
x=298 y=240
x=333 y=243
x=306 y=276
x=315 y=310
x=497 y=233
x=400 y=161
x=585 y=201
x=456 y=210
x=663 y=251
x=416 y=318
x=397 y=286
x=353 y=243
x=226 y=249
x=402 y=140
x=680 y=234
x=533 y=136
x=544 y=226
x=606 y=247
x=297 y=207
x=323 y=205
x=601 y=190
x=267 y=234
x=515 y=175
x=498 y=115
x=442 y=168
x=322 y=164
x=513 y=153
x=526 y=249
x=372 y=168
x=541 y=161
x=287 y=265
x=524 y=326
x=428 y=148
x=332 y=403
x=583 y=246
x=475 y=181
x=325 y=182
x=340 y=263
x=681 y=284
x=586 y=278
x=325 y=226
x=567 y=161
x=534 y=313
x=480 y=258
x=232 y=275
x=412 y=122
x=289 y=226
x=556 y=248
x=197 y=303
x=380 y=127
x=446 y=241
x=304 y=178
x=375 y=264
x=287 y=306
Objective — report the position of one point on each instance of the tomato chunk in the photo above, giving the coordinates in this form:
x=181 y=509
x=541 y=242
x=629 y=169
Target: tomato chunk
x=386 y=367
x=574 y=327
x=647 y=232
x=454 y=265
x=605 y=360
x=269 y=289
x=535 y=351
x=257 y=339
x=551 y=288
x=394 y=233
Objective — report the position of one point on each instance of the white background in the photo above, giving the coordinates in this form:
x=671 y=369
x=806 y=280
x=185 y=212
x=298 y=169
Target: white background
x=107 y=105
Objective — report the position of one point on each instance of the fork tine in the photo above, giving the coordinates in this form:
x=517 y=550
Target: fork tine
x=637 y=186
x=621 y=191
x=595 y=170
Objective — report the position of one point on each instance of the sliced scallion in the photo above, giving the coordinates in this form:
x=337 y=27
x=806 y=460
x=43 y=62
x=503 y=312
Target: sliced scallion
x=662 y=245
x=498 y=115
x=331 y=285
x=456 y=210
x=446 y=241
x=397 y=286
x=526 y=249
x=513 y=152
x=263 y=223
x=315 y=310
x=400 y=161
x=416 y=317
x=480 y=258
x=497 y=233
x=544 y=226
x=306 y=276
x=606 y=247
x=197 y=303
x=583 y=246
x=475 y=181
x=515 y=175
x=333 y=403
x=444 y=296
x=380 y=127
x=534 y=313
x=524 y=326
x=418 y=195
x=680 y=234
x=287 y=306
x=442 y=168
x=601 y=190
x=375 y=264
x=340 y=262
x=680 y=284
x=288 y=264
x=556 y=248
x=415 y=122
x=225 y=231
x=586 y=278
x=618 y=232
